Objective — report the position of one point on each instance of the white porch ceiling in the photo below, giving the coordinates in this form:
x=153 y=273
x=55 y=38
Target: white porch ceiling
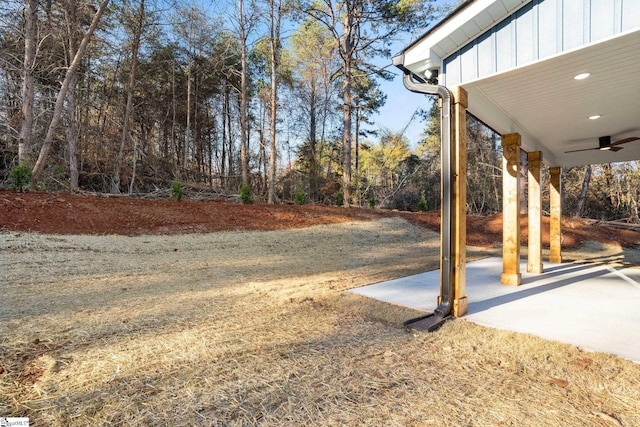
x=551 y=109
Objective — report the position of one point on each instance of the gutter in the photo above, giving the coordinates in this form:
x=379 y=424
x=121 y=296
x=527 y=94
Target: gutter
x=416 y=84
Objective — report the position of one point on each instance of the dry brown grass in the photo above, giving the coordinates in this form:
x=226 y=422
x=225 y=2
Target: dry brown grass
x=253 y=328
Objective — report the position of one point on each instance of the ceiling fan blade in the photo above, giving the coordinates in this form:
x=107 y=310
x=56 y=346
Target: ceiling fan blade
x=584 y=149
x=624 y=141
x=611 y=148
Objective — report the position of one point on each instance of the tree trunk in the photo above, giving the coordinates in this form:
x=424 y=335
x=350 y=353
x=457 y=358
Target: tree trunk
x=275 y=63
x=59 y=106
x=244 y=155
x=313 y=160
x=357 y=151
x=223 y=158
x=263 y=149
x=187 y=137
x=610 y=188
x=173 y=112
x=325 y=117
x=209 y=119
x=347 y=52
x=135 y=47
x=196 y=132
x=134 y=166
x=72 y=137
x=230 y=167
x=28 y=80
x=583 y=191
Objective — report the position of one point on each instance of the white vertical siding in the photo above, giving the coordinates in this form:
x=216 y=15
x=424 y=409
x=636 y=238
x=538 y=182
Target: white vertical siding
x=486 y=49
x=549 y=38
x=573 y=23
x=603 y=19
x=630 y=14
x=525 y=36
x=540 y=29
x=504 y=52
x=469 y=62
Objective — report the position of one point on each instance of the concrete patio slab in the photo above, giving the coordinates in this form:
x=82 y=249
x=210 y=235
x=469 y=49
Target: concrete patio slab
x=595 y=307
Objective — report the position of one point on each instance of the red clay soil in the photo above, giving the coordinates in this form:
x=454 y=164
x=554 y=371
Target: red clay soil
x=62 y=213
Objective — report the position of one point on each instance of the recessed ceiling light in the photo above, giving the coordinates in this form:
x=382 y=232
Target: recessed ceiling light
x=595 y=117
x=582 y=76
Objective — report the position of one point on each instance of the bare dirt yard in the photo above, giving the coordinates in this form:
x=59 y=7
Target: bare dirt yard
x=115 y=311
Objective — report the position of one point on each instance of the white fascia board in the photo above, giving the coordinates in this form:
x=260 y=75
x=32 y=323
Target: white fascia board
x=428 y=53
x=423 y=64
x=501 y=122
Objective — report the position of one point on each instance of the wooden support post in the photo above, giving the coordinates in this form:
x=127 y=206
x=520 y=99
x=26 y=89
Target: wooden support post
x=534 y=264
x=459 y=211
x=555 y=202
x=511 y=210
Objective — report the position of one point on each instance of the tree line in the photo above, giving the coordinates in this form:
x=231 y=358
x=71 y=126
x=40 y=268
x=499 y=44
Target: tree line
x=124 y=95
x=128 y=96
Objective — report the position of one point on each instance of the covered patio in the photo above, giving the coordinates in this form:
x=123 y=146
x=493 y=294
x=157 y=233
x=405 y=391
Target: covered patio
x=558 y=80
x=592 y=306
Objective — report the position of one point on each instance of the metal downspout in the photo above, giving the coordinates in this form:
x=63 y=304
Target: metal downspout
x=444 y=309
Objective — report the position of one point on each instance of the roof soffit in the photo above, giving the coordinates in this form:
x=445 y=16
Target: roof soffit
x=551 y=109
x=456 y=31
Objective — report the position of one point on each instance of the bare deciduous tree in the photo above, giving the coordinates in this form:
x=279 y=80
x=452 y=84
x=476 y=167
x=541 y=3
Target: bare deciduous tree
x=136 y=36
x=69 y=77
x=28 y=80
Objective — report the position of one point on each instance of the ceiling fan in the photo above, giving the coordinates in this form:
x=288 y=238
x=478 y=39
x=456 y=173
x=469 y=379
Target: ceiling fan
x=605 y=144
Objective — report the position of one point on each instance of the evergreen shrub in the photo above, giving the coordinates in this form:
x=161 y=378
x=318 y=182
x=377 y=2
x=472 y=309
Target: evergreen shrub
x=245 y=194
x=20 y=177
x=177 y=190
x=300 y=198
x=422 y=204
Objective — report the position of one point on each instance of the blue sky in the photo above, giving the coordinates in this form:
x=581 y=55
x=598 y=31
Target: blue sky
x=400 y=107
x=401 y=104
